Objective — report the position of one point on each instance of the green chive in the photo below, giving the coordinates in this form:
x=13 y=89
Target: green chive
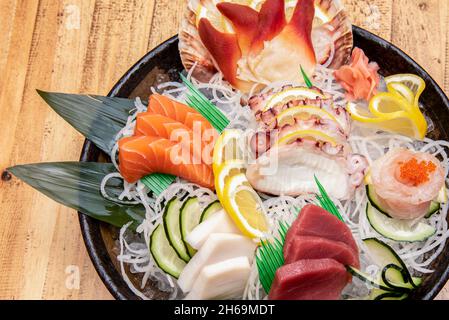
x=326 y=202
x=199 y=102
x=306 y=78
x=158 y=182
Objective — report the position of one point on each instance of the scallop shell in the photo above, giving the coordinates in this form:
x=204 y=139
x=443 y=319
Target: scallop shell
x=191 y=49
x=338 y=31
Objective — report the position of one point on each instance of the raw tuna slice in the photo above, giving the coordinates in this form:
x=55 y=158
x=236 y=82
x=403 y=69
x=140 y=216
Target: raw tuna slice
x=319 y=279
x=320 y=248
x=316 y=222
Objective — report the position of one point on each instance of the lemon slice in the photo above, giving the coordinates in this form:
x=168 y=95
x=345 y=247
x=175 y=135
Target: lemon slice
x=227 y=147
x=285 y=96
x=386 y=103
x=403 y=91
x=245 y=207
x=408 y=123
x=314 y=135
x=225 y=171
x=415 y=83
x=289 y=116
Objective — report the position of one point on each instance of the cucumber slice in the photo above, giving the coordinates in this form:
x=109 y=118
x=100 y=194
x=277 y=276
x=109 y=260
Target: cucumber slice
x=383 y=255
x=189 y=219
x=368 y=279
x=172 y=229
x=374 y=201
x=163 y=253
x=378 y=294
x=398 y=230
x=210 y=210
x=434 y=208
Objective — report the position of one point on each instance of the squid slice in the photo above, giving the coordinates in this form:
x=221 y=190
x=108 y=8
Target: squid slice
x=290 y=170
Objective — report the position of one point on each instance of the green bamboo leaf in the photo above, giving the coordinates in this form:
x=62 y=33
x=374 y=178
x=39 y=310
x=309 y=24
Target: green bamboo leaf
x=77 y=185
x=100 y=119
x=97 y=118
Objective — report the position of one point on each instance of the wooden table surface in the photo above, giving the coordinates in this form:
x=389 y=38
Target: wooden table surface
x=84 y=46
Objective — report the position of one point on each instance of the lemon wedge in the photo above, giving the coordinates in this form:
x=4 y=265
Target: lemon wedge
x=227 y=148
x=285 y=96
x=408 y=123
x=289 y=115
x=397 y=110
x=386 y=103
x=225 y=171
x=403 y=91
x=314 y=135
x=415 y=83
x=245 y=207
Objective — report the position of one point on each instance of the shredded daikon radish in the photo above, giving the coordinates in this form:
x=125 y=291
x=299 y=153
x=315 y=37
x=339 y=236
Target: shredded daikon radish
x=134 y=246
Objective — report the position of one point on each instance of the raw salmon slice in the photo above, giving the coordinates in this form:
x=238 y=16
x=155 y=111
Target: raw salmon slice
x=180 y=112
x=143 y=155
x=148 y=124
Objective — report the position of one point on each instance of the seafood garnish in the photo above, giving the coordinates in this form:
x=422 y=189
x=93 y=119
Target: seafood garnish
x=257 y=46
x=406 y=182
x=289 y=170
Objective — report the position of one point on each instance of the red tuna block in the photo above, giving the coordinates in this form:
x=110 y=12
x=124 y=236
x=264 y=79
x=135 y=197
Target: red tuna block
x=318 y=279
x=314 y=221
x=320 y=248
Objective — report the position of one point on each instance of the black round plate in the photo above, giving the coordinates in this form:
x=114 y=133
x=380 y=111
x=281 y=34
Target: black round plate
x=163 y=64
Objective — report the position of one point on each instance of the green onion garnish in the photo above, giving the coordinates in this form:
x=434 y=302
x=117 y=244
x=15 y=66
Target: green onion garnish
x=309 y=83
x=198 y=101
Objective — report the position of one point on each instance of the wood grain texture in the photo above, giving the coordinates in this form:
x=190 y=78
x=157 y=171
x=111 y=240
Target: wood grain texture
x=84 y=46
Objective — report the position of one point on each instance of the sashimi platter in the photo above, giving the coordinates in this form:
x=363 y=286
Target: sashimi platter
x=281 y=163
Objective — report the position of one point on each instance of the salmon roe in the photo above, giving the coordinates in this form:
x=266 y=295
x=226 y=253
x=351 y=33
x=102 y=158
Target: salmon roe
x=415 y=173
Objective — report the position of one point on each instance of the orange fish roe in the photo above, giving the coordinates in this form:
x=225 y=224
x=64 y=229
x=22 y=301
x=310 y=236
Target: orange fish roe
x=416 y=173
